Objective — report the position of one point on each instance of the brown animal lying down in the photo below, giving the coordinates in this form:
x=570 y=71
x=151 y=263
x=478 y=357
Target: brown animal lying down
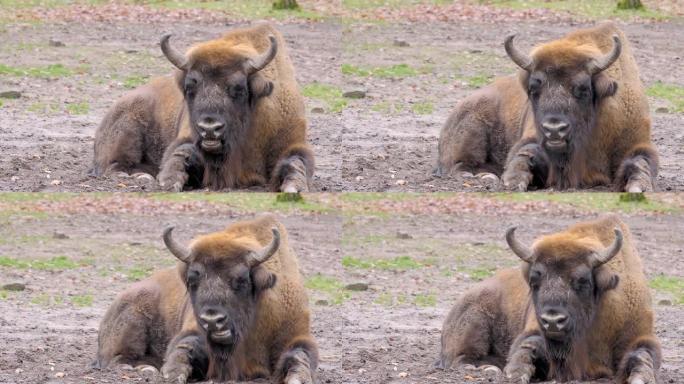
x=575 y=116
x=578 y=309
x=231 y=116
x=233 y=309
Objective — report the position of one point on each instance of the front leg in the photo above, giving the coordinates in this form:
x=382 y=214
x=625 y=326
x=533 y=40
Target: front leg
x=173 y=174
x=638 y=170
x=519 y=170
x=297 y=365
x=641 y=362
x=293 y=171
x=526 y=353
x=186 y=358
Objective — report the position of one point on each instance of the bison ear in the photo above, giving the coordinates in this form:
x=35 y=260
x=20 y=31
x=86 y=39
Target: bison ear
x=262 y=279
x=604 y=86
x=259 y=87
x=606 y=280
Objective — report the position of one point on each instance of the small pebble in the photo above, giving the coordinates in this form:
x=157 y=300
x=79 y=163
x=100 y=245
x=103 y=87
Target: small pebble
x=16 y=287
x=56 y=43
x=355 y=94
x=357 y=287
x=10 y=95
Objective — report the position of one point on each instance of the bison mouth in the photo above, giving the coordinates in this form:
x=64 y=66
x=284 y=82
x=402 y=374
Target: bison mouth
x=556 y=335
x=555 y=145
x=222 y=337
x=211 y=146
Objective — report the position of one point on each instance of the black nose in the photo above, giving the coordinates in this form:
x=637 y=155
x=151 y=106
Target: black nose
x=211 y=126
x=555 y=127
x=213 y=319
x=554 y=319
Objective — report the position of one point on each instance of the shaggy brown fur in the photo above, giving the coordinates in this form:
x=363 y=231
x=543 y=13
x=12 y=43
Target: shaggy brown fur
x=497 y=322
x=154 y=321
x=135 y=132
x=497 y=129
x=271 y=145
x=266 y=147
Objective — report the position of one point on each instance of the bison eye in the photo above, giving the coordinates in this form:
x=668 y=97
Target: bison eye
x=240 y=284
x=192 y=279
x=582 y=91
x=189 y=86
x=533 y=86
x=582 y=284
x=237 y=92
x=534 y=280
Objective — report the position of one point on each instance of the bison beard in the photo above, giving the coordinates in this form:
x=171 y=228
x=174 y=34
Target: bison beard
x=221 y=170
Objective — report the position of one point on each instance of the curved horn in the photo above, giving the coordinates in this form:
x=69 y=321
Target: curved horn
x=175 y=57
x=256 y=258
x=602 y=257
x=520 y=249
x=597 y=65
x=521 y=59
x=182 y=253
x=258 y=63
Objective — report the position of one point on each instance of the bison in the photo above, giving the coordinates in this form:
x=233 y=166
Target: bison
x=575 y=116
x=231 y=116
x=233 y=309
x=578 y=309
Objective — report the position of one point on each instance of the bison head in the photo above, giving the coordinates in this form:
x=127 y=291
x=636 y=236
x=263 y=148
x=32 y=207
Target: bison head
x=566 y=279
x=224 y=277
x=221 y=84
x=565 y=84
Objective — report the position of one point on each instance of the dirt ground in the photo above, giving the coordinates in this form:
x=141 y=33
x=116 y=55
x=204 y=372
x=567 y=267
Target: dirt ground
x=75 y=253
x=413 y=74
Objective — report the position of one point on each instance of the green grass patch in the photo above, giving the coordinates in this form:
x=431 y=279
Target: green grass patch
x=57 y=263
x=387 y=299
x=45 y=72
x=673 y=94
x=422 y=108
x=478 y=81
x=138 y=273
x=388 y=108
x=594 y=9
x=134 y=81
x=671 y=285
x=397 y=71
x=41 y=107
x=20 y=197
x=82 y=300
x=246 y=201
x=428 y=300
x=399 y=263
x=479 y=274
x=45 y=300
x=597 y=201
x=329 y=94
x=332 y=287
x=81 y=108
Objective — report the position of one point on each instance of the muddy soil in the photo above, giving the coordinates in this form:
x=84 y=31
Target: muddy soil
x=383 y=142
x=415 y=265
